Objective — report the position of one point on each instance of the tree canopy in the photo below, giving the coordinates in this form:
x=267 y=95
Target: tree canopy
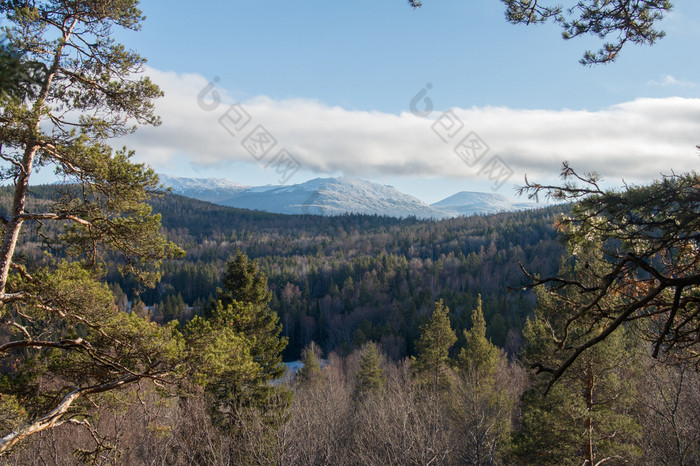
x=432 y=363
x=638 y=250
x=62 y=336
x=616 y=22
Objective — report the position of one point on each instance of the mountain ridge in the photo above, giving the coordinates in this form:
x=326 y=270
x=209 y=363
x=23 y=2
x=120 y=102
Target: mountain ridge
x=338 y=196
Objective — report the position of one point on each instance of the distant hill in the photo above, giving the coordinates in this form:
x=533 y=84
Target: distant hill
x=338 y=196
x=334 y=196
x=205 y=189
x=470 y=203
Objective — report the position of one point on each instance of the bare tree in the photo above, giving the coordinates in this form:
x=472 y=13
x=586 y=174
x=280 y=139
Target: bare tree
x=670 y=414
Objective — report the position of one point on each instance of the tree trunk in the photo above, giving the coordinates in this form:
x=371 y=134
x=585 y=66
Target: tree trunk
x=14 y=224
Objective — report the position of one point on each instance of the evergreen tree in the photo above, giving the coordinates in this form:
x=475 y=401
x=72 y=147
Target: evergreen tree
x=644 y=264
x=173 y=308
x=626 y=22
x=241 y=310
x=370 y=377
x=19 y=77
x=63 y=337
x=243 y=282
x=479 y=355
x=585 y=418
x=432 y=364
x=310 y=372
x=481 y=406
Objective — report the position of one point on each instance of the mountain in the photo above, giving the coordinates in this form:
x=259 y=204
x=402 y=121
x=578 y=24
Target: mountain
x=205 y=189
x=334 y=196
x=337 y=196
x=470 y=203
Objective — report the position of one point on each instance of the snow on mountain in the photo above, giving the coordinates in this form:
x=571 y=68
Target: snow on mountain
x=205 y=189
x=334 y=196
x=470 y=203
x=337 y=196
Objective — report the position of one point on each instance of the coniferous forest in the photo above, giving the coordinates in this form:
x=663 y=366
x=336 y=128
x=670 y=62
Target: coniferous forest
x=141 y=327
x=417 y=340
x=342 y=281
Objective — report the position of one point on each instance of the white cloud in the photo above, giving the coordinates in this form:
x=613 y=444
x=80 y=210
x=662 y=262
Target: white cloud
x=668 y=80
x=634 y=140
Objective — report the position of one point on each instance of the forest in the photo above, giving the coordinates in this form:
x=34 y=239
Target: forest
x=341 y=281
x=345 y=280
x=139 y=327
x=421 y=354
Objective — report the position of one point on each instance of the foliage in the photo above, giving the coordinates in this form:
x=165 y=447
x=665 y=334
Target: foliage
x=586 y=416
x=432 y=362
x=328 y=287
x=482 y=404
x=310 y=372
x=237 y=349
x=243 y=282
x=638 y=262
x=18 y=78
x=402 y=424
x=63 y=338
x=479 y=354
x=370 y=378
x=244 y=298
x=332 y=289
x=619 y=21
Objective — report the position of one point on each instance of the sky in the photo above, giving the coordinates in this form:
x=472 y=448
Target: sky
x=446 y=98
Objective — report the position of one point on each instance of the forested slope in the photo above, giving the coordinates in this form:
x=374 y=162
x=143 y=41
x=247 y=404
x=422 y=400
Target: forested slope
x=340 y=281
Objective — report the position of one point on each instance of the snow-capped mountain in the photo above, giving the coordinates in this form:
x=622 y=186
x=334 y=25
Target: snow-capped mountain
x=212 y=190
x=470 y=203
x=337 y=196
x=334 y=196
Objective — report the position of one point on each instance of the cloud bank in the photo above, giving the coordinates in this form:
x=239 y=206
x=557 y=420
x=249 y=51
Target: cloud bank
x=635 y=140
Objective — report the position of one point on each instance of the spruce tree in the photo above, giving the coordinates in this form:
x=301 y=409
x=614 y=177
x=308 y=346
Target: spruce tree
x=241 y=310
x=370 y=378
x=243 y=282
x=310 y=372
x=432 y=363
x=479 y=355
x=481 y=406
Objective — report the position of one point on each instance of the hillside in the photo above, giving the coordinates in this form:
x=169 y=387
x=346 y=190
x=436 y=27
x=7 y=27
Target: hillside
x=342 y=280
x=338 y=196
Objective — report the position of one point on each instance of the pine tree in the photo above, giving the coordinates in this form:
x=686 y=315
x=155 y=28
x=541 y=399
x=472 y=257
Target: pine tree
x=481 y=406
x=369 y=378
x=241 y=314
x=644 y=263
x=618 y=23
x=432 y=363
x=72 y=90
x=310 y=372
x=584 y=417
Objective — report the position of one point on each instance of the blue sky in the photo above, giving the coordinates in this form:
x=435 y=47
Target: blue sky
x=333 y=81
